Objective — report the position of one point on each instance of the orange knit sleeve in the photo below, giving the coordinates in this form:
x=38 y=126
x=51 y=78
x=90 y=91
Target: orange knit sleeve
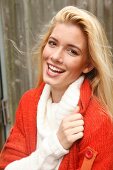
x=15 y=146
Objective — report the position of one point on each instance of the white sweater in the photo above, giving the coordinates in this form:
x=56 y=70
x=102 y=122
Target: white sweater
x=49 y=151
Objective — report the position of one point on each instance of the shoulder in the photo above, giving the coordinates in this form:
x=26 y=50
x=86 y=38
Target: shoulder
x=28 y=103
x=32 y=95
x=98 y=123
x=97 y=116
x=27 y=108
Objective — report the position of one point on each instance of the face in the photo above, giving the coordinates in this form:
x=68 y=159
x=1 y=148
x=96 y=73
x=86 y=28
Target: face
x=64 y=56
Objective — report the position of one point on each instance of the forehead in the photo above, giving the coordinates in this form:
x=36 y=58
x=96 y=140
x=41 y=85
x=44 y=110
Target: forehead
x=69 y=33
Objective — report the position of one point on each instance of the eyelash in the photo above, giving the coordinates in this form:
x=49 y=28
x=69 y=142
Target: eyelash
x=51 y=43
x=70 y=51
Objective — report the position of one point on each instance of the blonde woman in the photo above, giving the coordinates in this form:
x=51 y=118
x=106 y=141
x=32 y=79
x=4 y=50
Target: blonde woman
x=66 y=122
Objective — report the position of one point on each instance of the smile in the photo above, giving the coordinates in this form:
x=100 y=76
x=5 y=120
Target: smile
x=55 y=69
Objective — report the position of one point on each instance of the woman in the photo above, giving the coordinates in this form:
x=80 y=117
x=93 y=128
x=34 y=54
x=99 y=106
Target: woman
x=66 y=123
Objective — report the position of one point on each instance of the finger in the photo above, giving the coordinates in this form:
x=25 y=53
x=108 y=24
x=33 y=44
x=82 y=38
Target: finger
x=77 y=136
x=71 y=139
x=75 y=130
x=73 y=117
x=75 y=123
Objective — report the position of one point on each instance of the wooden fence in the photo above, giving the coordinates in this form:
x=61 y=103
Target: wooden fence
x=22 y=22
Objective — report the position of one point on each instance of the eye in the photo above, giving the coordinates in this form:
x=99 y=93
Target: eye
x=52 y=43
x=72 y=52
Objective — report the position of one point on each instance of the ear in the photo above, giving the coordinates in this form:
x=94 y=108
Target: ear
x=88 y=68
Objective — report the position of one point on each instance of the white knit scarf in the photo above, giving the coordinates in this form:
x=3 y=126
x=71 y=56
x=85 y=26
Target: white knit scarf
x=50 y=115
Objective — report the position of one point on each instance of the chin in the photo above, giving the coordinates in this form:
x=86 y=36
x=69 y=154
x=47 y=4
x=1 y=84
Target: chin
x=47 y=81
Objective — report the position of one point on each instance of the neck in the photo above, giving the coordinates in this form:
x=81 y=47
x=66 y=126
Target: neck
x=56 y=95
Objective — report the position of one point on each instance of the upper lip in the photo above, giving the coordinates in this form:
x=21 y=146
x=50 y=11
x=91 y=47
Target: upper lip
x=60 y=69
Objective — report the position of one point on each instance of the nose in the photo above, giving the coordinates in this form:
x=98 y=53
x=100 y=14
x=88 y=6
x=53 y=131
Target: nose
x=57 y=56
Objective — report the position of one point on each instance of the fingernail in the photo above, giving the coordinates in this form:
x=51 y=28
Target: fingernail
x=77 y=109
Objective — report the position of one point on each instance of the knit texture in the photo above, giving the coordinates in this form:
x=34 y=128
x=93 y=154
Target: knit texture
x=49 y=117
x=98 y=132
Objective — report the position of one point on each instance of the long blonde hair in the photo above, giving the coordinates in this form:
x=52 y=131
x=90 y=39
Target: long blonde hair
x=100 y=55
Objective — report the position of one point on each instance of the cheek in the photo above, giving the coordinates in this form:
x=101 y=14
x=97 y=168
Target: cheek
x=46 y=52
x=75 y=68
x=72 y=66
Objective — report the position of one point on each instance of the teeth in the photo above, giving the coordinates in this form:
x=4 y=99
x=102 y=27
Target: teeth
x=55 y=69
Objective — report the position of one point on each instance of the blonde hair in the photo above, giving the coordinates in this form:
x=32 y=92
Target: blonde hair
x=100 y=55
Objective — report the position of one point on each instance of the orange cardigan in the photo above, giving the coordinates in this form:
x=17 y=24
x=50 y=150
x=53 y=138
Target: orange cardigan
x=93 y=152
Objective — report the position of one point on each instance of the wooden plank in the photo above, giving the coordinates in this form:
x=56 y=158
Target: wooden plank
x=108 y=19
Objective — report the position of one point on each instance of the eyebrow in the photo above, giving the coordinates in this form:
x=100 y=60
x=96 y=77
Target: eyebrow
x=70 y=45
x=74 y=46
x=52 y=38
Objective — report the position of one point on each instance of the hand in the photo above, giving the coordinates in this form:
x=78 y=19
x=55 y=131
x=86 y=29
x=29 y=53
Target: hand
x=71 y=129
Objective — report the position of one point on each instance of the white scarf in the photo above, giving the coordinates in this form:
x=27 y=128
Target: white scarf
x=50 y=114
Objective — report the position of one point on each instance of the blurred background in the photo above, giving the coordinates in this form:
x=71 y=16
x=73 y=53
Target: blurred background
x=21 y=23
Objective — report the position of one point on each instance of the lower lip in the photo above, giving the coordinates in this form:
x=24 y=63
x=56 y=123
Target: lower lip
x=52 y=74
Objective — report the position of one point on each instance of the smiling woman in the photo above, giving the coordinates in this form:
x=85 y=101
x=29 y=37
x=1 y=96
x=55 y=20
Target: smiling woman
x=65 y=57
x=66 y=122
